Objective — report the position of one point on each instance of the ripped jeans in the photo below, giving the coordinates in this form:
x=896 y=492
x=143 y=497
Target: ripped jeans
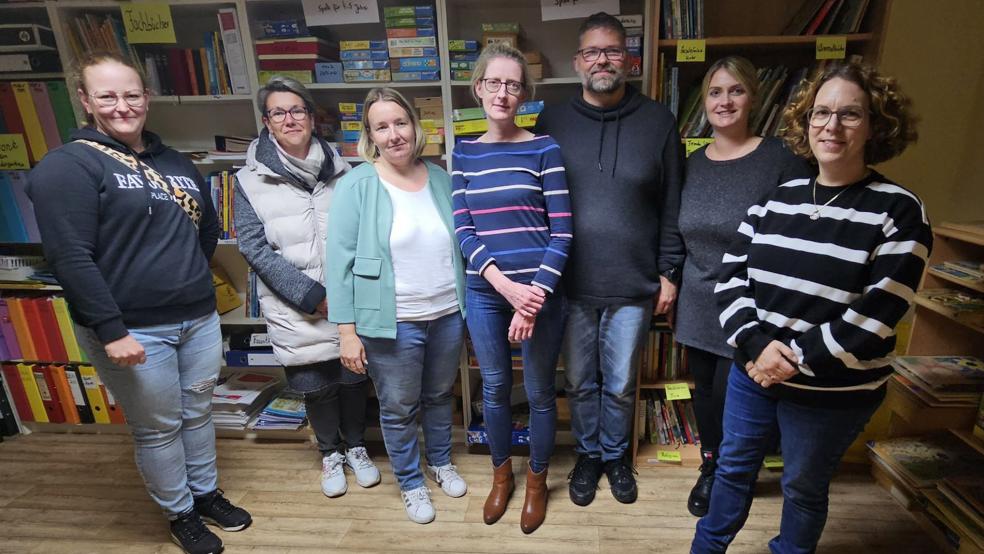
x=167 y=402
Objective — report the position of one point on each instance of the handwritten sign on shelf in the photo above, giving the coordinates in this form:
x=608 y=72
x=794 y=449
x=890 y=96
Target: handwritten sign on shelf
x=773 y=462
x=677 y=391
x=691 y=50
x=693 y=144
x=148 y=23
x=576 y=9
x=668 y=456
x=13 y=152
x=831 y=48
x=340 y=12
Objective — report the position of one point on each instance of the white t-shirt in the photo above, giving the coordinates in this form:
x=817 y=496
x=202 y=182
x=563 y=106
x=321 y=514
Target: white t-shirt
x=421 y=249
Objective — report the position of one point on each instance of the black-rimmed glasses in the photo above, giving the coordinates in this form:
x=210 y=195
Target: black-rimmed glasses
x=512 y=87
x=278 y=116
x=592 y=54
x=848 y=117
x=109 y=99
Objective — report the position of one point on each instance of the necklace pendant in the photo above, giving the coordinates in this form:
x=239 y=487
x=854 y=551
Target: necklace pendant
x=815 y=215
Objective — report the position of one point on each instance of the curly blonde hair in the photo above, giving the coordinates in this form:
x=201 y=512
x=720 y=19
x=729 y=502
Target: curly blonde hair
x=893 y=125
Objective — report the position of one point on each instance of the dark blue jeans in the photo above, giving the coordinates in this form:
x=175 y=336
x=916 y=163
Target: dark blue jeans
x=813 y=442
x=489 y=315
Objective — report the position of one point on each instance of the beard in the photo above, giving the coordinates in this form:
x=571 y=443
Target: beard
x=604 y=84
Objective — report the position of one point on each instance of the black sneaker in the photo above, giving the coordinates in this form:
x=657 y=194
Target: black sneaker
x=189 y=532
x=622 y=480
x=584 y=479
x=216 y=510
x=700 y=496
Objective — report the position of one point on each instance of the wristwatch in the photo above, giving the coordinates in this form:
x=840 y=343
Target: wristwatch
x=672 y=275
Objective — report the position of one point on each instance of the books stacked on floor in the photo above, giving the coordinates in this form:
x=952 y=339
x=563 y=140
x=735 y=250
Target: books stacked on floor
x=662 y=358
x=827 y=17
x=59 y=393
x=17 y=221
x=38 y=329
x=239 y=395
x=940 y=479
x=350 y=114
x=668 y=422
x=284 y=412
x=682 y=19
x=298 y=57
x=942 y=381
x=963 y=306
x=431 y=111
x=40 y=111
x=471 y=121
x=969 y=272
x=411 y=39
x=223 y=186
x=364 y=60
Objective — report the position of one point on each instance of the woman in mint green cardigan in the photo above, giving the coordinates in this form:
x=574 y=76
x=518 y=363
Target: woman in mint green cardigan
x=395 y=281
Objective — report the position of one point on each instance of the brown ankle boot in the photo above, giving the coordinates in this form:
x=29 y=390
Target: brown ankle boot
x=502 y=488
x=535 y=506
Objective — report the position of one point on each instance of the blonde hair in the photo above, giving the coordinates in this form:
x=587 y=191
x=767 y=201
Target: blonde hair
x=367 y=149
x=76 y=75
x=502 y=50
x=743 y=71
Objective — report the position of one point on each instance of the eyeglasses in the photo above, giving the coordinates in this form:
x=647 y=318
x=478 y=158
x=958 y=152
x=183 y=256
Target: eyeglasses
x=848 y=117
x=109 y=99
x=512 y=87
x=592 y=54
x=278 y=115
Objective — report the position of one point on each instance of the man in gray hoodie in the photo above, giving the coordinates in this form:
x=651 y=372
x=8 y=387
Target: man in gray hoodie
x=624 y=164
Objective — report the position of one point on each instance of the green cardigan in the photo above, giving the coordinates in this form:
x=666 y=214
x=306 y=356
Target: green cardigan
x=359 y=269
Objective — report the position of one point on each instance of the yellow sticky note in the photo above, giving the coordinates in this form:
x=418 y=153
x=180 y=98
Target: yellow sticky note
x=13 y=152
x=691 y=50
x=148 y=23
x=693 y=144
x=668 y=456
x=773 y=462
x=677 y=391
x=831 y=48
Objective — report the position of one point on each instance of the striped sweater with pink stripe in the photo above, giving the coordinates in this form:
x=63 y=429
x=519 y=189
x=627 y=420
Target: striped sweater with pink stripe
x=511 y=208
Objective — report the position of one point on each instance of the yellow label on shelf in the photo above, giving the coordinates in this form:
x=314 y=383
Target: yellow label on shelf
x=691 y=50
x=668 y=456
x=831 y=48
x=677 y=391
x=351 y=125
x=693 y=144
x=13 y=152
x=347 y=107
x=773 y=462
x=148 y=23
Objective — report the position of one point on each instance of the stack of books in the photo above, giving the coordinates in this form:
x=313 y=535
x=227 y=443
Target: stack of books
x=970 y=272
x=239 y=395
x=963 y=306
x=942 y=381
x=350 y=114
x=296 y=57
x=365 y=60
x=412 y=42
x=286 y=412
x=431 y=112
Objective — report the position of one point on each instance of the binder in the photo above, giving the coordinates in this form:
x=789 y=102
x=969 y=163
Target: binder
x=74 y=378
x=34 y=400
x=8 y=105
x=37 y=147
x=18 y=187
x=61 y=104
x=21 y=331
x=19 y=396
x=90 y=382
x=51 y=330
x=72 y=349
x=12 y=227
x=64 y=391
x=49 y=395
x=4 y=353
x=112 y=407
x=7 y=330
x=36 y=333
x=46 y=114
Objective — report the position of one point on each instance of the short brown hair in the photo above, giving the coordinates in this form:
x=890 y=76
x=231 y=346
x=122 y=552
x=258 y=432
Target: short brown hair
x=893 y=125
x=742 y=70
x=601 y=20
x=77 y=73
x=367 y=149
x=502 y=50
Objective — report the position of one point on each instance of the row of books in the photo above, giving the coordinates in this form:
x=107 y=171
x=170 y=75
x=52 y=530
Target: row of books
x=970 y=272
x=682 y=19
x=223 y=185
x=41 y=111
x=17 y=221
x=668 y=422
x=662 y=358
x=37 y=329
x=823 y=17
x=59 y=393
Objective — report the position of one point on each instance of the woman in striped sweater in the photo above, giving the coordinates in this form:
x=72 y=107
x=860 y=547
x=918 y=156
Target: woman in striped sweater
x=513 y=221
x=810 y=292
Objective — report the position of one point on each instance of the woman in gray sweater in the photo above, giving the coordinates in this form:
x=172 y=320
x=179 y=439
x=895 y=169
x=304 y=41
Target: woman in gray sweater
x=723 y=180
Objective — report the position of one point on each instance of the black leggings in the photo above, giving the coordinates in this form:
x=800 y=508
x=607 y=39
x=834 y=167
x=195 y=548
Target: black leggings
x=710 y=373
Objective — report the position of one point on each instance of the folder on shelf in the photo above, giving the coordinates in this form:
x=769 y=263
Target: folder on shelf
x=25 y=209
x=64 y=392
x=46 y=114
x=32 y=392
x=52 y=331
x=90 y=382
x=12 y=376
x=12 y=228
x=8 y=106
x=7 y=330
x=61 y=105
x=33 y=318
x=21 y=330
x=112 y=407
x=74 y=377
x=37 y=147
x=49 y=395
x=72 y=349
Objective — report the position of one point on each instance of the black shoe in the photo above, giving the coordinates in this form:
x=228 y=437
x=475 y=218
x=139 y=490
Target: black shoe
x=622 y=480
x=189 y=532
x=584 y=479
x=216 y=510
x=700 y=496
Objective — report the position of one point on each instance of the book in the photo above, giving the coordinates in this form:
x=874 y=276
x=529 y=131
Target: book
x=972 y=267
x=950 y=269
x=963 y=306
x=946 y=373
x=235 y=55
x=924 y=461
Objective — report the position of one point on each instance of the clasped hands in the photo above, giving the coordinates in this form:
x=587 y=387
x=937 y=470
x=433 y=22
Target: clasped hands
x=775 y=364
x=527 y=300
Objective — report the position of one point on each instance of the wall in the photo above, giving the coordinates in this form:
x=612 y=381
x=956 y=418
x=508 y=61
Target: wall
x=935 y=50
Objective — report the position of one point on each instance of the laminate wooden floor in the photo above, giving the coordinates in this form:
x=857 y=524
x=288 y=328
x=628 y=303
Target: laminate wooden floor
x=82 y=493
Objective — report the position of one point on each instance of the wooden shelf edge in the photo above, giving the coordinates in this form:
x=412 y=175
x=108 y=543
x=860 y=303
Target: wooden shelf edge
x=26 y=286
x=647 y=452
x=939 y=309
x=767 y=40
x=966 y=236
x=979 y=287
x=662 y=384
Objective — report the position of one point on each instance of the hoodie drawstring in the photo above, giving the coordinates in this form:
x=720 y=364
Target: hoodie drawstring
x=601 y=141
x=618 y=131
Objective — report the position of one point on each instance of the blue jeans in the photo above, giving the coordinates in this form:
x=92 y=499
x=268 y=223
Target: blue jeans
x=489 y=315
x=414 y=373
x=813 y=442
x=168 y=404
x=600 y=354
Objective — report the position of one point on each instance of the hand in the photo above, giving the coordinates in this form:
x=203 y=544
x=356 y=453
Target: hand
x=126 y=351
x=667 y=295
x=353 y=353
x=322 y=307
x=777 y=363
x=525 y=299
x=521 y=327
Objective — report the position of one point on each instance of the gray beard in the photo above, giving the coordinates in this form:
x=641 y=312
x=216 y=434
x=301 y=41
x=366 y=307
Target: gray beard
x=603 y=85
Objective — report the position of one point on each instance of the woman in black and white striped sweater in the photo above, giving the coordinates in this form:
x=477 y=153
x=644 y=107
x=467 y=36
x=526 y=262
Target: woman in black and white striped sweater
x=810 y=291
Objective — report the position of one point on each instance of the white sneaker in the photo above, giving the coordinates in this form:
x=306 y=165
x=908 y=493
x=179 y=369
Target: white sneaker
x=366 y=474
x=447 y=476
x=333 y=475
x=418 y=503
